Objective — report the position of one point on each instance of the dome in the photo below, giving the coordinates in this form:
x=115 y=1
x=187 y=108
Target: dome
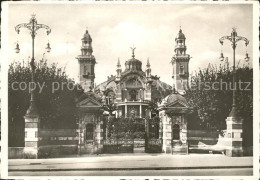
x=175 y=96
x=86 y=36
x=180 y=35
x=133 y=64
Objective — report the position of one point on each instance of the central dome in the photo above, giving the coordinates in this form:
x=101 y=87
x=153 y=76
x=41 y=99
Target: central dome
x=133 y=64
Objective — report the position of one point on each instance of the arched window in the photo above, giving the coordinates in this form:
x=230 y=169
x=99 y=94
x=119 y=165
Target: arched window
x=181 y=69
x=110 y=96
x=89 y=132
x=176 y=132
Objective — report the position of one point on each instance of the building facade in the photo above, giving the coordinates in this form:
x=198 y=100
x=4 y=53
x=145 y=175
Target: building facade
x=132 y=92
x=132 y=111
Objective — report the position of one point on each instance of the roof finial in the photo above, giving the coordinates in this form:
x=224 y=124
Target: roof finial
x=133 y=51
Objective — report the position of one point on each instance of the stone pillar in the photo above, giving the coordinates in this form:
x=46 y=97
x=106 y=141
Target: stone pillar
x=80 y=138
x=125 y=110
x=184 y=131
x=234 y=136
x=31 y=140
x=140 y=111
x=99 y=136
x=167 y=133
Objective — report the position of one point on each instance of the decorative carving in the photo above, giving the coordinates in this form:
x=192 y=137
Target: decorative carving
x=89 y=102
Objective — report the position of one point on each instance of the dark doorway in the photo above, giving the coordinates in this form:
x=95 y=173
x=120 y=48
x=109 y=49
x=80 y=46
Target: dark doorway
x=175 y=132
x=89 y=132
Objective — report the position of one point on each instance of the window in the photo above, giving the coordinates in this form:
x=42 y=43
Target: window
x=133 y=95
x=110 y=96
x=85 y=69
x=89 y=132
x=181 y=69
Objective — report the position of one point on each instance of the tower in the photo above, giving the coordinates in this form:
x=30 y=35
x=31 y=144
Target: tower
x=180 y=64
x=86 y=63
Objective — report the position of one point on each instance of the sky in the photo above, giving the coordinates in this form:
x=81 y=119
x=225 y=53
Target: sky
x=151 y=28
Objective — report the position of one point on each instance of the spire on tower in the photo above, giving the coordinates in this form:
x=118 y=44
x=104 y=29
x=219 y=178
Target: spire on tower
x=148 y=63
x=148 y=70
x=118 y=63
x=118 y=71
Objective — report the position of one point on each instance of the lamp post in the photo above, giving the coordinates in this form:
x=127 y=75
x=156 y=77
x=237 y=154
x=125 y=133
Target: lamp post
x=234 y=38
x=234 y=122
x=33 y=27
x=32 y=120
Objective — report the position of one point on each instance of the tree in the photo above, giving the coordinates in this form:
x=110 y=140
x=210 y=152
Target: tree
x=56 y=105
x=211 y=97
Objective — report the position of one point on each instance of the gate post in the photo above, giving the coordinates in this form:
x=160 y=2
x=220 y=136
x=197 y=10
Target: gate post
x=147 y=137
x=99 y=135
x=172 y=112
x=90 y=111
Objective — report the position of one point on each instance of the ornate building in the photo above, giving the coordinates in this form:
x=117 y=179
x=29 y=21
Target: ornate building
x=133 y=111
x=133 y=91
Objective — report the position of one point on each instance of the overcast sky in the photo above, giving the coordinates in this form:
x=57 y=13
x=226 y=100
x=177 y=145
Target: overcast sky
x=151 y=28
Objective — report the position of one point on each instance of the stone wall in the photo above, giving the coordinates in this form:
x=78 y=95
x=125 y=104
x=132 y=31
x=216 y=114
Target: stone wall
x=209 y=137
x=57 y=142
x=52 y=143
x=15 y=152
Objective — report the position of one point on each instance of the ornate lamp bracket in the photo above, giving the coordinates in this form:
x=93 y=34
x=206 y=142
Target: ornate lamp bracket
x=33 y=26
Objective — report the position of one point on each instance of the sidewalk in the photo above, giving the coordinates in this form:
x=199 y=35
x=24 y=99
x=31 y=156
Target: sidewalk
x=131 y=162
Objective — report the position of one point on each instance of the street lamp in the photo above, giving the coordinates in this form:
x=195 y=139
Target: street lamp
x=247 y=57
x=234 y=38
x=221 y=58
x=33 y=27
x=48 y=48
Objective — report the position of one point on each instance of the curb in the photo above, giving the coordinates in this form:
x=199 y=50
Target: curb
x=132 y=169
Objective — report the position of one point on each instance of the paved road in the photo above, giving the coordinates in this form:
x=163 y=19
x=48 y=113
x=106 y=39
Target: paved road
x=143 y=164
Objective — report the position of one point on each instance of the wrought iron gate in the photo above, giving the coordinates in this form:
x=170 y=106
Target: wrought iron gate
x=153 y=140
x=129 y=135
